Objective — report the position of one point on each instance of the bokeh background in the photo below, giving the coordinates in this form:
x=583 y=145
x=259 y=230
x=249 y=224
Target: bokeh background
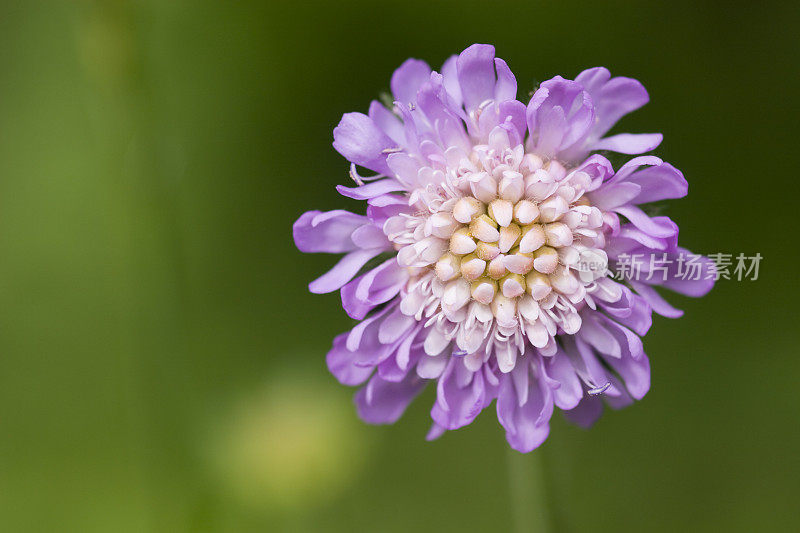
x=162 y=365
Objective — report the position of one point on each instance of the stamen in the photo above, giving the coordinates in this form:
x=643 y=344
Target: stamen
x=594 y=391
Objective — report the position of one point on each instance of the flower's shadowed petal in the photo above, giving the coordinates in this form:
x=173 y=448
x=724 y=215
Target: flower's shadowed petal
x=614 y=194
x=408 y=353
x=629 y=143
x=341 y=363
x=476 y=75
x=395 y=326
x=408 y=78
x=621 y=400
x=509 y=112
x=634 y=373
x=632 y=365
x=659 y=182
x=355 y=354
x=388 y=122
x=655 y=300
x=589 y=368
x=506 y=87
x=461 y=395
x=613 y=97
x=586 y=413
x=326 y=232
x=656 y=181
x=373 y=288
x=382 y=208
x=694 y=285
x=384 y=402
x=443 y=114
x=362 y=142
x=482 y=77
x=371 y=190
x=632 y=310
x=560 y=115
x=659 y=227
x=450 y=80
x=435 y=432
x=347 y=267
x=527 y=425
x=569 y=392
x=630 y=240
x=370 y=236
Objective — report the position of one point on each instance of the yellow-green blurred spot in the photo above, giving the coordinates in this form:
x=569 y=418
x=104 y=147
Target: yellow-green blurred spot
x=293 y=444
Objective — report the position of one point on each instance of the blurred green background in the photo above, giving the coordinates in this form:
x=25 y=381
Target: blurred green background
x=162 y=365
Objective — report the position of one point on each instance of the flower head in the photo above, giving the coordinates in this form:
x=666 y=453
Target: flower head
x=499 y=223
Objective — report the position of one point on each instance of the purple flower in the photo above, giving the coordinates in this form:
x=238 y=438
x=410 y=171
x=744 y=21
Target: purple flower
x=497 y=223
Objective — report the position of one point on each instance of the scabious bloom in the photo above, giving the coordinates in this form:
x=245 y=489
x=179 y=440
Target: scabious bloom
x=497 y=224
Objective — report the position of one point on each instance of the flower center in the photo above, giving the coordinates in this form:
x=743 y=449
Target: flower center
x=508 y=248
x=501 y=241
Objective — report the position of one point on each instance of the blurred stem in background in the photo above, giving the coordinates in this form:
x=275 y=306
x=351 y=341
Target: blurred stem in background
x=112 y=49
x=528 y=493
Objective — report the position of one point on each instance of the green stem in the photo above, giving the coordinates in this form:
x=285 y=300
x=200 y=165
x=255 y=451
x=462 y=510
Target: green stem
x=528 y=496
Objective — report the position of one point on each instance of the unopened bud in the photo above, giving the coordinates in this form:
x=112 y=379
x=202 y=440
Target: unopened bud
x=497 y=268
x=484 y=187
x=511 y=186
x=558 y=234
x=512 y=285
x=448 y=267
x=563 y=281
x=466 y=209
x=505 y=310
x=442 y=224
x=530 y=163
x=487 y=251
x=553 y=208
x=462 y=242
x=509 y=236
x=545 y=260
x=525 y=212
x=519 y=262
x=533 y=236
x=483 y=290
x=502 y=211
x=485 y=229
x=538 y=285
x=472 y=267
